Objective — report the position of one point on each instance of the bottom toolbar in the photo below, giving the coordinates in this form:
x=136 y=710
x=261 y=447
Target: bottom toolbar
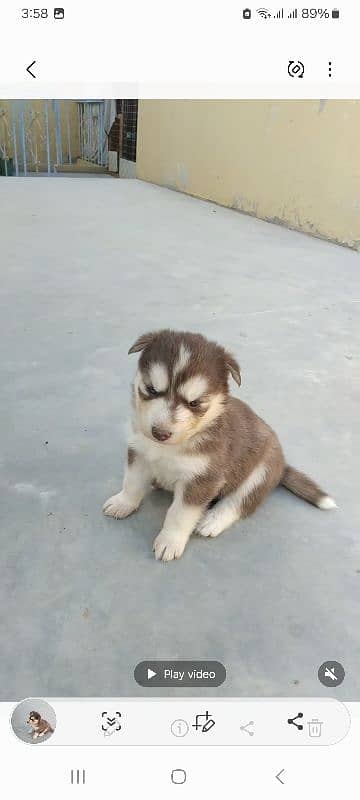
x=167 y=722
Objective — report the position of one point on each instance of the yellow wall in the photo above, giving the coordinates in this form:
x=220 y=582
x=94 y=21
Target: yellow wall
x=34 y=111
x=291 y=161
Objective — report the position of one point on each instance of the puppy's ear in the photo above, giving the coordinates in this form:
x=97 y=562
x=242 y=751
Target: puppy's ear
x=233 y=367
x=142 y=342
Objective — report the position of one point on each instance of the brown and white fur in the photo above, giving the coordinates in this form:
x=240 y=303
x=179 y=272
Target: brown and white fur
x=40 y=726
x=191 y=437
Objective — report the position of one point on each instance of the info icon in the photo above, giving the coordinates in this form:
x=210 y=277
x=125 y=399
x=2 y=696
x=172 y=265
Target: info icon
x=331 y=673
x=59 y=13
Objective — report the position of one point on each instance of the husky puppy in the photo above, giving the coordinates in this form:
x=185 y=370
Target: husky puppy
x=189 y=436
x=39 y=726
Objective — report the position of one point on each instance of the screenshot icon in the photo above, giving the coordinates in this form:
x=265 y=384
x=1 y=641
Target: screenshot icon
x=179 y=340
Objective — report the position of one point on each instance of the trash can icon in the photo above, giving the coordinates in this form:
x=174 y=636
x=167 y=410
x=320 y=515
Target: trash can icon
x=315 y=727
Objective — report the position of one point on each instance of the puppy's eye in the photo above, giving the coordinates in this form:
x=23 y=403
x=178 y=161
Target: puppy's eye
x=151 y=391
x=194 y=403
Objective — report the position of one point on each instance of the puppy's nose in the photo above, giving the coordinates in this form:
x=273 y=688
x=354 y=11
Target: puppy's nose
x=160 y=434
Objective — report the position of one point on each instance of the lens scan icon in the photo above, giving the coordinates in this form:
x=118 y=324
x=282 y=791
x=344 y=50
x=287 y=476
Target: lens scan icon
x=33 y=721
x=110 y=723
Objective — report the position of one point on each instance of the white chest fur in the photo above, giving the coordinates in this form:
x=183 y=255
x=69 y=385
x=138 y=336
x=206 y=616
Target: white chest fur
x=168 y=463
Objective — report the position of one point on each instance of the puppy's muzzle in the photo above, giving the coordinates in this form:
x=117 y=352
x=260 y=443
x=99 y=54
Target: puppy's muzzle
x=160 y=434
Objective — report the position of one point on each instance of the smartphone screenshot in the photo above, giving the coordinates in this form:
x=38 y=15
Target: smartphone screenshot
x=179 y=404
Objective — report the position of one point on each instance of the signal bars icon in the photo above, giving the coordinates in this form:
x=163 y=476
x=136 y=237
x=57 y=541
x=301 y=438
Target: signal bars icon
x=293 y=14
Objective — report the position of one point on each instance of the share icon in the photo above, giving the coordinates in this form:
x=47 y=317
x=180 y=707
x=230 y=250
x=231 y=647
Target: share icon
x=292 y=721
x=245 y=728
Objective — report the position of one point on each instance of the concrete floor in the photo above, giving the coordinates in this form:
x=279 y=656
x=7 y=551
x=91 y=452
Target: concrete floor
x=85 y=267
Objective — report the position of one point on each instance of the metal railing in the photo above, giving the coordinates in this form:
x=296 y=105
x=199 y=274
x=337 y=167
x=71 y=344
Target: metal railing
x=42 y=137
x=93 y=139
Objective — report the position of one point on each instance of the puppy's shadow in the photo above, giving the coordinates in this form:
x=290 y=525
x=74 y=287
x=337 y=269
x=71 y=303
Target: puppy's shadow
x=147 y=522
x=149 y=518
x=159 y=501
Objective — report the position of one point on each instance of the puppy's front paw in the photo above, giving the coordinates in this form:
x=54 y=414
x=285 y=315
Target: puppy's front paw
x=168 y=546
x=119 y=506
x=211 y=525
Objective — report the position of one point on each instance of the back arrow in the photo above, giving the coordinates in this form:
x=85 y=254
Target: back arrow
x=28 y=69
x=278 y=776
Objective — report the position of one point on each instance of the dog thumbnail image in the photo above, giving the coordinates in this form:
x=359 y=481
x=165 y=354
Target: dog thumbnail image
x=39 y=726
x=33 y=721
x=191 y=437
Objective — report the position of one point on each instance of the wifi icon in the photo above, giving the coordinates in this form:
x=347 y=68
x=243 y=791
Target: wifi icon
x=264 y=13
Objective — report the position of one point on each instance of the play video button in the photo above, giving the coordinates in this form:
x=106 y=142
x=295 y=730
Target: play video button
x=151 y=674
x=179 y=673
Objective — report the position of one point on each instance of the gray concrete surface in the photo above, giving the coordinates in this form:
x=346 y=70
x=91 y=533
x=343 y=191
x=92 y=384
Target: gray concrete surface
x=85 y=267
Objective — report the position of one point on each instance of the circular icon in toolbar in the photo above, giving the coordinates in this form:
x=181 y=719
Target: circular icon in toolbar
x=179 y=728
x=33 y=721
x=331 y=673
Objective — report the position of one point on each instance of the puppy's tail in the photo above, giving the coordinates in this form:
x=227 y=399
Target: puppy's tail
x=307 y=489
